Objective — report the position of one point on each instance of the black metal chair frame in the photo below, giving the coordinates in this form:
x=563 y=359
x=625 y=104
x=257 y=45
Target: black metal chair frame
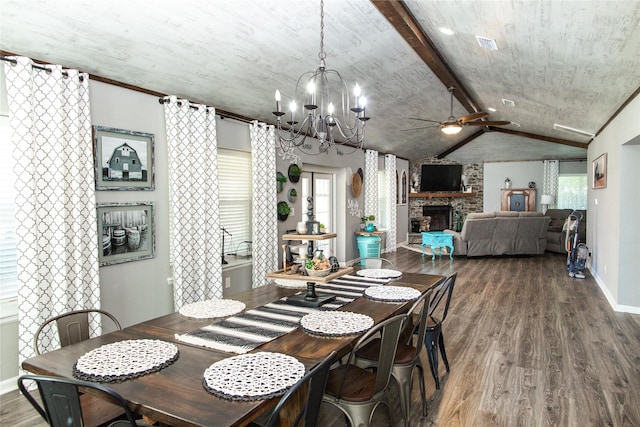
x=61 y=400
x=433 y=338
x=316 y=379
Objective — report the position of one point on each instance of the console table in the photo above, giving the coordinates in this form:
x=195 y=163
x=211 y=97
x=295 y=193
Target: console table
x=437 y=240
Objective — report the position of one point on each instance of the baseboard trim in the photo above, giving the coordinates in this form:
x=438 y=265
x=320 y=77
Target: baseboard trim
x=8 y=385
x=621 y=308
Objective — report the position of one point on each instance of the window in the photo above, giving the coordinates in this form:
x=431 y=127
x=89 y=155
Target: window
x=572 y=191
x=320 y=186
x=234 y=186
x=8 y=260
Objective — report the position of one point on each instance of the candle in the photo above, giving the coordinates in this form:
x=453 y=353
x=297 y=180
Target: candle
x=278 y=99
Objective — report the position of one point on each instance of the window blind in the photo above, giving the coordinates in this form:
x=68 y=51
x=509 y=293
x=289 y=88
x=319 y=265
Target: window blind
x=234 y=176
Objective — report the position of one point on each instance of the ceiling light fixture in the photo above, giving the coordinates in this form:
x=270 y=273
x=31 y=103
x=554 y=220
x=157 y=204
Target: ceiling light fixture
x=451 y=128
x=321 y=116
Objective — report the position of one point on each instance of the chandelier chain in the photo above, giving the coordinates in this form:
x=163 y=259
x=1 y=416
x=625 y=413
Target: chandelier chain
x=322 y=55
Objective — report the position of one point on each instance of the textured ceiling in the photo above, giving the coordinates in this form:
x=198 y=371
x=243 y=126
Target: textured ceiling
x=573 y=63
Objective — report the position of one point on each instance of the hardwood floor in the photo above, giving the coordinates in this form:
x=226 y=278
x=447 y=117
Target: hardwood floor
x=527 y=345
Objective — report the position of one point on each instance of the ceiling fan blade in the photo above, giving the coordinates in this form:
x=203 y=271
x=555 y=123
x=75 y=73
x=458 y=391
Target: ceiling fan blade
x=474 y=116
x=488 y=123
x=424 y=120
x=423 y=127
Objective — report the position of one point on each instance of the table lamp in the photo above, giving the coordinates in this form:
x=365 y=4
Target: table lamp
x=546 y=200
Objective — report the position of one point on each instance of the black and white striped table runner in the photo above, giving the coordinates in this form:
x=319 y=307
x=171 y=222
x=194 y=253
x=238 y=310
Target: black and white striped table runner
x=246 y=331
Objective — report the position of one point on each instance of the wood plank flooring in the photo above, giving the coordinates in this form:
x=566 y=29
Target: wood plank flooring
x=527 y=345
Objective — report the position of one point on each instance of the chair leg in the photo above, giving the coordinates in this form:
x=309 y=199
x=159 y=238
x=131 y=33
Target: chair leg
x=403 y=379
x=423 y=393
x=443 y=352
x=432 y=353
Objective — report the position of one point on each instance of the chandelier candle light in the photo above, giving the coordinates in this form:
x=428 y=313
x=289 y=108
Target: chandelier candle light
x=321 y=117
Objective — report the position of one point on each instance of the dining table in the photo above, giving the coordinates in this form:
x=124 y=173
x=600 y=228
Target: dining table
x=175 y=396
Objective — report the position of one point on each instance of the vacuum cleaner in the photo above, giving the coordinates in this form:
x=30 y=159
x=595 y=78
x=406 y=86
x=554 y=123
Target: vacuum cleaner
x=577 y=253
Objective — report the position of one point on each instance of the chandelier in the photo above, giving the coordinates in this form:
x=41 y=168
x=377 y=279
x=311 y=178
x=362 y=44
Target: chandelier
x=319 y=91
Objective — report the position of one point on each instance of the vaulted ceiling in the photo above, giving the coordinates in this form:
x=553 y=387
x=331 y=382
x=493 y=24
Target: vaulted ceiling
x=573 y=63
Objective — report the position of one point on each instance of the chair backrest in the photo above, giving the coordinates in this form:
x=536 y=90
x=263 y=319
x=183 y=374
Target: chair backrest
x=61 y=399
x=421 y=309
x=316 y=381
x=390 y=335
x=72 y=327
x=443 y=292
x=373 y=262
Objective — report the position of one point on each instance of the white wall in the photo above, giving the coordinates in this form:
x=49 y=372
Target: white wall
x=612 y=225
x=520 y=174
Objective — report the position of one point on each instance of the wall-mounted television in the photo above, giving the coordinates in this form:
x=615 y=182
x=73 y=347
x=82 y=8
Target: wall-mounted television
x=441 y=178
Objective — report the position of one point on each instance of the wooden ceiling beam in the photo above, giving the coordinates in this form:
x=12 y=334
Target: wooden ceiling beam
x=404 y=22
x=539 y=137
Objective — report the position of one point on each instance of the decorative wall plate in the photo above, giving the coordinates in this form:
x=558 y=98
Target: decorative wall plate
x=356 y=184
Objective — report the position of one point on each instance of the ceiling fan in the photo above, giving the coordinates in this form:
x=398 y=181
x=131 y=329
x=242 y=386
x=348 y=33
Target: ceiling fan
x=454 y=125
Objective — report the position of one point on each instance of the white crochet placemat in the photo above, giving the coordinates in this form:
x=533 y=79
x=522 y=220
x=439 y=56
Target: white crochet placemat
x=212 y=308
x=335 y=323
x=391 y=293
x=292 y=284
x=253 y=376
x=124 y=360
x=379 y=273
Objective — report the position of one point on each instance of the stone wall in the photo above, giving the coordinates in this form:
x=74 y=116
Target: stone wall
x=461 y=206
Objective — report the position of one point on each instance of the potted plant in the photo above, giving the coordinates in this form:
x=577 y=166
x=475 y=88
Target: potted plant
x=294 y=172
x=367 y=222
x=283 y=211
x=280 y=179
x=293 y=195
x=323 y=229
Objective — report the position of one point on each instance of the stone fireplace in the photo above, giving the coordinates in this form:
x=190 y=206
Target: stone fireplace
x=440 y=218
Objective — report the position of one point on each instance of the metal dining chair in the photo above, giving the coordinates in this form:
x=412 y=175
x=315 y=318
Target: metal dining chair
x=357 y=392
x=61 y=405
x=72 y=327
x=407 y=357
x=315 y=382
x=434 y=339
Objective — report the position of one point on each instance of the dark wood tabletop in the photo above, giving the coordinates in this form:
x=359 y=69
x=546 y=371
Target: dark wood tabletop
x=175 y=395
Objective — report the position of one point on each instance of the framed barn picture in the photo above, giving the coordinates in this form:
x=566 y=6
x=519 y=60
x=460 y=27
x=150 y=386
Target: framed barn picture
x=126 y=232
x=123 y=159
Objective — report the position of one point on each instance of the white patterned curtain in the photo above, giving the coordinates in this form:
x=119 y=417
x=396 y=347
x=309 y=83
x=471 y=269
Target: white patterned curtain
x=391 y=184
x=194 y=222
x=56 y=226
x=370 y=182
x=550 y=180
x=265 y=200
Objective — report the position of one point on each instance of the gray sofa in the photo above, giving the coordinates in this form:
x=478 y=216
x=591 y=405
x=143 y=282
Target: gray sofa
x=501 y=233
x=556 y=235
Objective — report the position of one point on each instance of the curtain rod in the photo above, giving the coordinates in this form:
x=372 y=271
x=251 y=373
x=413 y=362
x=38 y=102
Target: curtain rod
x=223 y=114
x=37 y=67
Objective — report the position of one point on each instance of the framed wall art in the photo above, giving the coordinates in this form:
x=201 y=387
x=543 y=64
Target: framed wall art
x=123 y=159
x=126 y=232
x=599 y=178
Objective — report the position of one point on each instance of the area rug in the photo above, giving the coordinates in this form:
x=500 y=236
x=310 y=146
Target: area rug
x=416 y=247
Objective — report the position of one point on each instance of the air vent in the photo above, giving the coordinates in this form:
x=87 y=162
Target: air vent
x=487 y=43
x=556 y=126
x=508 y=102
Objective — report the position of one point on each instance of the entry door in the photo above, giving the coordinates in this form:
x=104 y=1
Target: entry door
x=320 y=187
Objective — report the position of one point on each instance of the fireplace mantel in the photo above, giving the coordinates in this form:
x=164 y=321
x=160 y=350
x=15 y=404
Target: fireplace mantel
x=441 y=194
